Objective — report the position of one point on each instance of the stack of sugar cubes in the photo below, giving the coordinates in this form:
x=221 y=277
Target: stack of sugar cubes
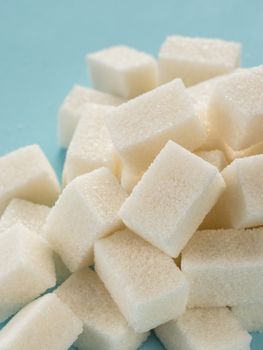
x=159 y=222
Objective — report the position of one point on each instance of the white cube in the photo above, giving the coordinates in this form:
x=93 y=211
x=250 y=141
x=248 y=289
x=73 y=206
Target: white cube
x=91 y=146
x=236 y=111
x=45 y=324
x=147 y=286
x=204 y=329
x=122 y=71
x=31 y=215
x=241 y=204
x=104 y=327
x=69 y=112
x=27 y=174
x=214 y=157
x=142 y=126
x=172 y=198
x=196 y=59
x=224 y=267
x=250 y=316
x=86 y=210
x=26 y=269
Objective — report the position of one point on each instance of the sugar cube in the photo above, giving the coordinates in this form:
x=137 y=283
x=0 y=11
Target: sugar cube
x=204 y=329
x=224 y=267
x=26 y=269
x=45 y=324
x=31 y=215
x=142 y=280
x=236 y=109
x=86 y=210
x=104 y=327
x=141 y=127
x=250 y=316
x=172 y=198
x=70 y=110
x=122 y=71
x=196 y=59
x=242 y=198
x=27 y=174
x=91 y=146
x=214 y=157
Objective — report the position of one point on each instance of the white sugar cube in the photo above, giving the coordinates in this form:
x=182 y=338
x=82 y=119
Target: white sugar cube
x=250 y=316
x=204 y=329
x=70 y=110
x=91 y=146
x=26 y=269
x=104 y=327
x=145 y=283
x=122 y=71
x=196 y=59
x=86 y=210
x=172 y=198
x=45 y=324
x=224 y=267
x=27 y=174
x=241 y=204
x=236 y=110
x=31 y=215
x=142 y=126
x=214 y=157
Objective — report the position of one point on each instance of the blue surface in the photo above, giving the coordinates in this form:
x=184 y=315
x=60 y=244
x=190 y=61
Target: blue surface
x=43 y=43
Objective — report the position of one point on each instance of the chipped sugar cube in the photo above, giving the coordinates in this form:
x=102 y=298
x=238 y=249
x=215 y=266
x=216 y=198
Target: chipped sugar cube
x=91 y=146
x=204 y=329
x=141 y=127
x=26 y=269
x=46 y=323
x=142 y=280
x=86 y=210
x=224 y=267
x=196 y=59
x=250 y=316
x=104 y=327
x=27 y=174
x=172 y=198
x=70 y=110
x=122 y=71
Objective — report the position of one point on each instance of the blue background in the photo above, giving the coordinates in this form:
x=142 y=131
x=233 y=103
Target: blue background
x=43 y=44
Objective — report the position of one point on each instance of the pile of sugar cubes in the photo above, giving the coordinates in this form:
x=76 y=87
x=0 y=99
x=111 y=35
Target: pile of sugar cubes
x=159 y=222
